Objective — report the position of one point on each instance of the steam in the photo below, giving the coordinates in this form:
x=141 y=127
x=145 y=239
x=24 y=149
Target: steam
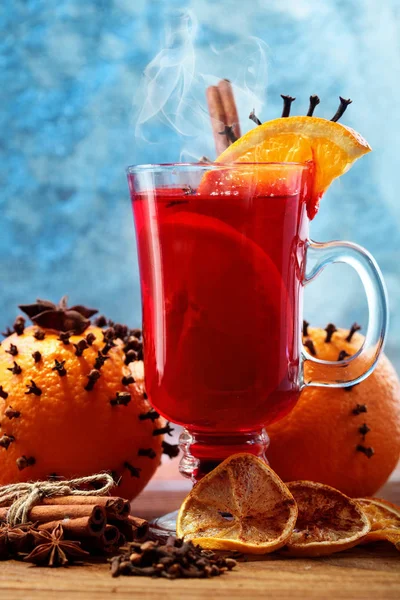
x=172 y=113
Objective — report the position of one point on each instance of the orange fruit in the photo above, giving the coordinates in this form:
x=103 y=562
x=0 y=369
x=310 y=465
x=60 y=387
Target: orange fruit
x=328 y=521
x=384 y=518
x=51 y=424
x=241 y=505
x=346 y=438
x=330 y=146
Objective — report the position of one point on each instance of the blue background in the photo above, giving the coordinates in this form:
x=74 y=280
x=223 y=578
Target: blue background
x=71 y=91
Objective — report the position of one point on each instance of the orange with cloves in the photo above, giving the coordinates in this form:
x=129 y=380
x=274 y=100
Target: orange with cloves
x=347 y=438
x=72 y=401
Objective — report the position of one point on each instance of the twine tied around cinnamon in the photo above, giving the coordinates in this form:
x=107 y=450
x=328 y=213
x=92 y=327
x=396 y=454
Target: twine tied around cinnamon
x=24 y=496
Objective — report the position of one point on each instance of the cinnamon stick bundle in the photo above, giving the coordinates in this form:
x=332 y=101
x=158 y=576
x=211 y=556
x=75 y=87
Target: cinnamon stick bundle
x=109 y=541
x=44 y=514
x=76 y=529
x=117 y=508
x=139 y=526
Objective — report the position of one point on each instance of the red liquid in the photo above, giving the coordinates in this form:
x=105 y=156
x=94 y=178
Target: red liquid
x=221 y=291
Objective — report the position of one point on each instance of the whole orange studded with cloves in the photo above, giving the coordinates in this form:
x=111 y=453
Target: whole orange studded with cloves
x=347 y=438
x=72 y=400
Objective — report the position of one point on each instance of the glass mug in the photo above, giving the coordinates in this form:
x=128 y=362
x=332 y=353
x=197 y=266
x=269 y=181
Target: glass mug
x=224 y=256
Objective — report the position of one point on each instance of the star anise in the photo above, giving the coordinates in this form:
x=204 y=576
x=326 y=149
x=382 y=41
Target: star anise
x=15 y=539
x=58 y=316
x=53 y=550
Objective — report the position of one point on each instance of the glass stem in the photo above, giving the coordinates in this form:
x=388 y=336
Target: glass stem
x=202 y=452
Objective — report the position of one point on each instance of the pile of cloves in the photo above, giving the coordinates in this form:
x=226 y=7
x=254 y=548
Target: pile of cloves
x=172 y=560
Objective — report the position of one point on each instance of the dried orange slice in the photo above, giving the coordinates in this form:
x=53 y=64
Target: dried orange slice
x=384 y=518
x=328 y=520
x=241 y=505
x=331 y=146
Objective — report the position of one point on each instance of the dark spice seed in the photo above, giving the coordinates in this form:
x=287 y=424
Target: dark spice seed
x=3 y=393
x=37 y=357
x=7 y=332
x=360 y=408
x=136 y=333
x=100 y=321
x=369 y=452
x=10 y=413
x=153 y=415
x=309 y=344
x=330 y=330
x=171 y=450
x=107 y=347
x=349 y=388
x=254 y=118
x=230 y=134
x=167 y=429
x=147 y=452
x=93 y=376
x=64 y=337
x=6 y=440
x=132 y=343
x=19 y=325
x=314 y=101
x=134 y=471
x=13 y=350
x=16 y=369
x=305 y=328
x=127 y=380
x=33 y=389
x=364 y=429
x=59 y=367
x=355 y=327
x=287 y=103
x=130 y=356
x=90 y=338
x=100 y=360
x=342 y=107
x=121 y=331
x=342 y=355
x=122 y=398
x=39 y=334
x=25 y=461
x=80 y=347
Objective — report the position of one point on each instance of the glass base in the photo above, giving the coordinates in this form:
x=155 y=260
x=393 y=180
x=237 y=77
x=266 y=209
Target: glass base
x=163 y=527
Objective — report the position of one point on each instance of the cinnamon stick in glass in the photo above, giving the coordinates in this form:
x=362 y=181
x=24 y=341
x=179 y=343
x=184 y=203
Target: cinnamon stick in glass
x=217 y=117
x=229 y=105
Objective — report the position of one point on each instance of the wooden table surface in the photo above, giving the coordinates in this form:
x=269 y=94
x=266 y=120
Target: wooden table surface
x=371 y=571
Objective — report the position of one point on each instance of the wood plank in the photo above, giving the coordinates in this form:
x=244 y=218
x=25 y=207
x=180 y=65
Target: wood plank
x=370 y=572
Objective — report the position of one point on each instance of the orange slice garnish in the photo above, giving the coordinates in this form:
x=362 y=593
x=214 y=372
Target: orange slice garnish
x=328 y=521
x=241 y=505
x=330 y=146
x=384 y=518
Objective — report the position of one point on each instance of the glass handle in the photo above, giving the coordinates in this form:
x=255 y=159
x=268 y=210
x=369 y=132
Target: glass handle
x=356 y=368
